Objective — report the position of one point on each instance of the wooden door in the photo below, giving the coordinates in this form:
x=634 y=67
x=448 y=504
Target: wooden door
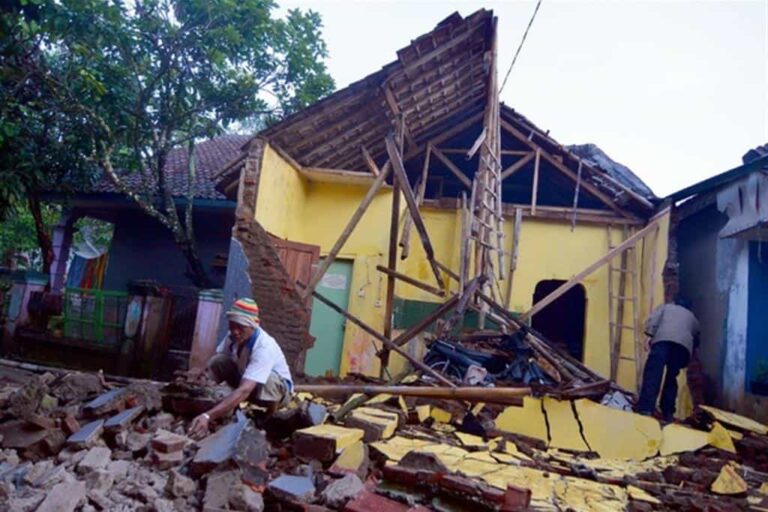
x=298 y=259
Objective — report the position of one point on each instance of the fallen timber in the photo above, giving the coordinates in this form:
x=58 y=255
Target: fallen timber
x=501 y=395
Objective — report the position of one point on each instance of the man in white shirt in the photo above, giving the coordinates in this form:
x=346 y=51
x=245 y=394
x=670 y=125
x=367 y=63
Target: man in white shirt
x=251 y=362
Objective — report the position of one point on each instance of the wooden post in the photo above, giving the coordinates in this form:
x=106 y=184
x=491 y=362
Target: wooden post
x=386 y=341
x=410 y=200
x=389 y=305
x=318 y=275
x=405 y=239
x=629 y=242
x=535 y=189
x=639 y=345
x=513 y=257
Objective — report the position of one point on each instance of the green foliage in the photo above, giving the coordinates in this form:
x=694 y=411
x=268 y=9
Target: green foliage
x=18 y=243
x=112 y=86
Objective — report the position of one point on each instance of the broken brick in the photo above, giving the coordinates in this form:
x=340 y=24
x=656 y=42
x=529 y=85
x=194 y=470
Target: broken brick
x=97 y=458
x=516 y=499
x=340 y=491
x=168 y=442
x=368 y=502
x=352 y=459
x=70 y=424
x=167 y=460
x=20 y=435
x=323 y=442
x=64 y=497
x=376 y=423
x=40 y=421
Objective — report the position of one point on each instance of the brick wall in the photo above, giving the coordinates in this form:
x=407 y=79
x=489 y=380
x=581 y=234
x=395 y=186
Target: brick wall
x=283 y=313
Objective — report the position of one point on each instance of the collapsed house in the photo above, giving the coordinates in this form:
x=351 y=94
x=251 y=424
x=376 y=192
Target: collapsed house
x=479 y=191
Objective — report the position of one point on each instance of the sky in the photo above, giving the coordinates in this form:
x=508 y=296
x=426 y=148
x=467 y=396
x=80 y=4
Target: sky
x=675 y=90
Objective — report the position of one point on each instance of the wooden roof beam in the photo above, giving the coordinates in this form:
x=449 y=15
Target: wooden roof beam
x=452 y=167
x=609 y=202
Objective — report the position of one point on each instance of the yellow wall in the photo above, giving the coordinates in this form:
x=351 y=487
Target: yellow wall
x=292 y=207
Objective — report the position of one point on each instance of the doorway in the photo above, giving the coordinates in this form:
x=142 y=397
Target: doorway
x=327 y=326
x=562 y=322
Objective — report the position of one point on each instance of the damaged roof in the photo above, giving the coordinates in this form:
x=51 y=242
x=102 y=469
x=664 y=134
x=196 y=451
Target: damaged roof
x=211 y=155
x=438 y=84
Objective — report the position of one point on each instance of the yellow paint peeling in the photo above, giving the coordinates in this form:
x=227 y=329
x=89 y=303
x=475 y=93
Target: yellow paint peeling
x=440 y=415
x=385 y=420
x=527 y=420
x=736 y=420
x=729 y=481
x=396 y=447
x=720 y=438
x=423 y=412
x=342 y=436
x=564 y=429
x=677 y=438
x=350 y=457
x=618 y=434
x=471 y=441
x=580 y=494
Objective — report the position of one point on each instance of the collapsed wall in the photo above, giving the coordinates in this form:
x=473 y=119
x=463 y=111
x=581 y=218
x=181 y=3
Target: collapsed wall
x=283 y=312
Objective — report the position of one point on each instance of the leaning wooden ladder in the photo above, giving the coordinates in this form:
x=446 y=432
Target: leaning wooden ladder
x=617 y=302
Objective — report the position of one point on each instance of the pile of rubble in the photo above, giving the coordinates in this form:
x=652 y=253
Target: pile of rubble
x=72 y=441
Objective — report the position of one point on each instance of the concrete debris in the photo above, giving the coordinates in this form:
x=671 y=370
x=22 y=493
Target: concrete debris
x=64 y=497
x=292 y=488
x=340 y=491
x=386 y=454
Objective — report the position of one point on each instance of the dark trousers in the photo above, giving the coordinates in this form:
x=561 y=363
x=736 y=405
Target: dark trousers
x=663 y=354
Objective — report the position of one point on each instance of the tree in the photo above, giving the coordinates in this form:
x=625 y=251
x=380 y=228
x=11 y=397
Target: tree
x=139 y=79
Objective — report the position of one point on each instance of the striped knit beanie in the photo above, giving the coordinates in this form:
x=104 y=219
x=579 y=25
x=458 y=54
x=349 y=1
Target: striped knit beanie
x=244 y=312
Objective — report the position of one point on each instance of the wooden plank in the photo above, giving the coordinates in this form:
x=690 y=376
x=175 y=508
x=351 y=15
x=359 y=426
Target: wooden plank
x=639 y=345
x=386 y=341
x=629 y=242
x=514 y=255
x=535 y=188
x=512 y=169
x=285 y=156
x=405 y=240
x=480 y=139
x=413 y=282
x=447 y=134
x=501 y=395
x=609 y=202
x=410 y=200
x=331 y=256
x=452 y=167
x=369 y=162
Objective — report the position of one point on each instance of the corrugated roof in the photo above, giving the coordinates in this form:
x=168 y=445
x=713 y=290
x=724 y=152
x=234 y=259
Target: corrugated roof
x=211 y=155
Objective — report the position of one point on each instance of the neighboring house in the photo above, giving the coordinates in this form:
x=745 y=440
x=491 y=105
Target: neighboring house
x=95 y=295
x=720 y=231
x=301 y=180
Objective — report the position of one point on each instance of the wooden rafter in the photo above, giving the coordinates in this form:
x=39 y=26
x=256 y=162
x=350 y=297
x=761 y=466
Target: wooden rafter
x=400 y=175
x=453 y=168
x=512 y=169
x=610 y=203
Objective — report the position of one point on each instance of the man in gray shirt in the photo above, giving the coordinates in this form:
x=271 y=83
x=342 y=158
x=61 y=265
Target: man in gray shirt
x=673 y=332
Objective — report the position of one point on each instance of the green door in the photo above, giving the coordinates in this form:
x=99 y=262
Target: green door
x=327 y=325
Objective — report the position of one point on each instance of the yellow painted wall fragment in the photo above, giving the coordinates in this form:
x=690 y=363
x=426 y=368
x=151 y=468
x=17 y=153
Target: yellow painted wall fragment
x=639 y=494
x=471 y=441
x=540 y=483
x=527 y=420
x=440 y=415
x=396 y=447
x=736 y=420
x=423 y=412
x=342 y=436
x=618 y=434
x=736 y=436
x=729 y=481
x=350 y=458
x=677 y=438
x=719 y=437
x=385 y=422
x=564 y=429
x=477 y=408
x=579 y=494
